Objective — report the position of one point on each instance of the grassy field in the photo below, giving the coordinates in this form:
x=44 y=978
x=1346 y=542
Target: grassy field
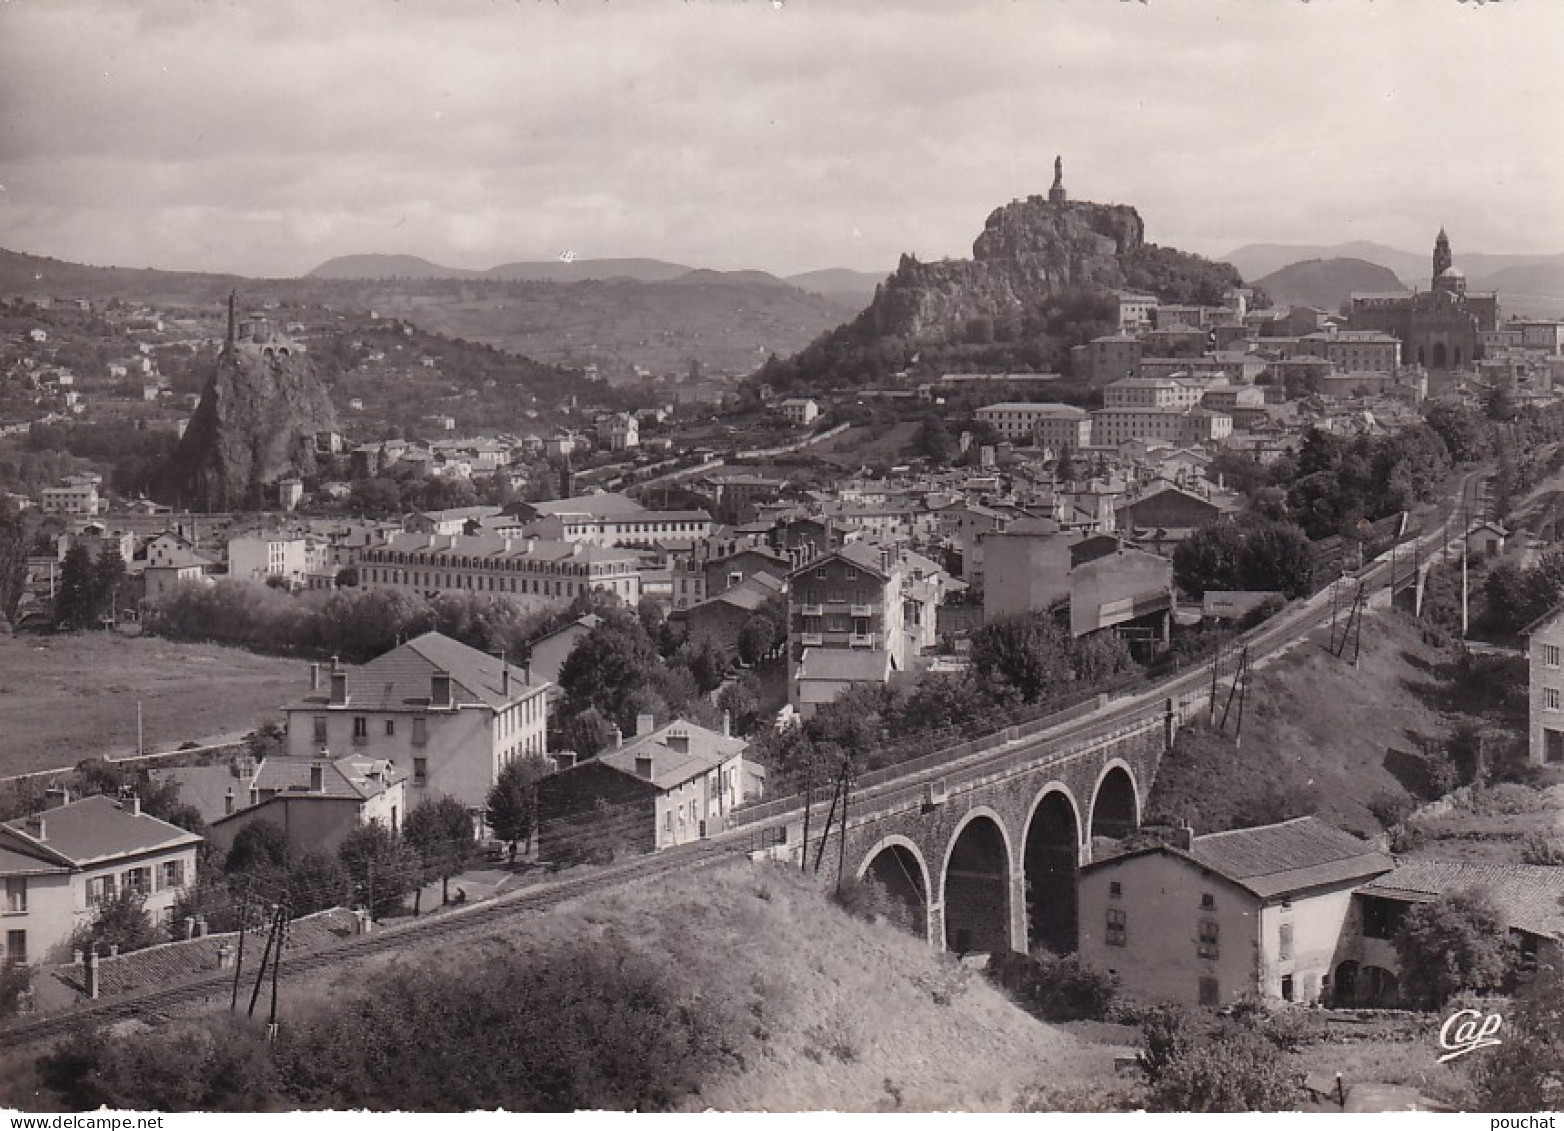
x=68 y=697
x=1315 y=728
x=837 y=1013
x=865 y=444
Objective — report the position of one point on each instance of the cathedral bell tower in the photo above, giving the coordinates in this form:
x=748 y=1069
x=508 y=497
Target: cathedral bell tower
x=1442 y=260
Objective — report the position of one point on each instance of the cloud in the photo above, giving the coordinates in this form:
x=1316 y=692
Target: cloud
x=264 y=137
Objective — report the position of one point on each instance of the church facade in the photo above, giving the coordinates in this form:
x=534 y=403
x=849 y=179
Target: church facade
x=1440 y=328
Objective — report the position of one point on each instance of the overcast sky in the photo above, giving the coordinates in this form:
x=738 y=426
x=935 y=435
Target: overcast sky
x=262 y=137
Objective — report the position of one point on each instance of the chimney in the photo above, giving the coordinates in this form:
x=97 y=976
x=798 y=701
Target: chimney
x=314 y=677
x=618 y=739
x=92 y=972
x=228 y=801
x=132 y=804
x=1185 y=838
x=318 y=777
x=36 y=827
x=727 y=724
x=339 y=686
x=504 y=675
x=526 y=672
x=440 y=689
x=645 y=724
x=643 y=766
x=57 y=795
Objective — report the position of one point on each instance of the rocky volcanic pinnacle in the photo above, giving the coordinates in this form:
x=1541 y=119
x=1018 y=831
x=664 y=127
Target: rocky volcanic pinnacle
x=1028 y=248
x=257 y=423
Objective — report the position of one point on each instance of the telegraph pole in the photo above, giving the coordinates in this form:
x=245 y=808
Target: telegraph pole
x=282 y=934
x=841 y=851
x=244 y=929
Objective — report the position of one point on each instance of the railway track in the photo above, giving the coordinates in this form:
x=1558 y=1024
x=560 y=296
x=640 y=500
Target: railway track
x=1266 y=639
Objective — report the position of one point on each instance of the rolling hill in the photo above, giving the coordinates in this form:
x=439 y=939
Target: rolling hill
x=1326 y=283
x=1527 y=285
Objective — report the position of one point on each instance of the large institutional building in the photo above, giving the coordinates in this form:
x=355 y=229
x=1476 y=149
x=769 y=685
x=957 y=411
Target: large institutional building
x=1439 y=328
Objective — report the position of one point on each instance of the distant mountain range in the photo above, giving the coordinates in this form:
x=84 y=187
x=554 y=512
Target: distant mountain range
x=1526 y=284
x=616 y=314
x=854 y=287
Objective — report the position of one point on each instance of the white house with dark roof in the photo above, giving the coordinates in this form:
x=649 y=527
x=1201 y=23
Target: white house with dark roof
x=58 y=866
x=315 y=801
x=448 y=716
x=663 y=786
x=1251 y=912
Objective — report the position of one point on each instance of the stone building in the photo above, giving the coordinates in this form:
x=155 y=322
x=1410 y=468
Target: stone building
x=1440 y=328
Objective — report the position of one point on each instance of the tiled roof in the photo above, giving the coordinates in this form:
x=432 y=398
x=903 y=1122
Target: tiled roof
x=400 y=680
x=1271 y=860
x=343 y=778
x=671 y=767
x=205 y=787
x=606 y=505
x=1529 y=894
x=172 y=962
x=749 y=594
x=17 y=863
x=851 y=664
x=97 y=828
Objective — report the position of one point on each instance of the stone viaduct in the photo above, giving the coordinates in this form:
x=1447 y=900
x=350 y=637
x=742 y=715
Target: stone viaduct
x=982 y=853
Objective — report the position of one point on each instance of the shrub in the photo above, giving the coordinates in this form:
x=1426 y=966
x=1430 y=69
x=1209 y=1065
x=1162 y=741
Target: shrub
x=1538 y=849
x=1194 y=1062
x=1390 y=809
x=1053 y=988
x=1459 y=942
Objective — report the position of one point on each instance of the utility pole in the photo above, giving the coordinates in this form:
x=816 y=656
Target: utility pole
x=1215 y=662
x=830 y=819
x=260 y=976
x=140 y=735
x=809 y=784
x=841 y=851
x=282 y=935
x=244 y=929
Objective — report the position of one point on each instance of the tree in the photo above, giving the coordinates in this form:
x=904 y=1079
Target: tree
x=512 y=810
x=756 y=638
x=1458 y=942
x=587 y=734
x=108 y=578
x=121 y=921
x=606 y=667
x=1065 y=470
x=381 y=868
x=1526 y=1072
x=260 y=848
x=16 y=987
x=1025 y=652
x=15 y=537
x=74 y=605
x=439 y=829
x=934 y=441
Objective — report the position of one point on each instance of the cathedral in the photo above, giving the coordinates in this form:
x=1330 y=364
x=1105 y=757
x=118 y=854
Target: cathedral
x=1440 y=328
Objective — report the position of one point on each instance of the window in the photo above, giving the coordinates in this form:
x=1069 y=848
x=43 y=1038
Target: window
x=1210 y=992
x=1284 y=948
x=139 y=880
x=1116 y=927
x=1287 y=987
x=171 y=874
x=1550 y=655
x=1207 y=901
x=1209 y=946
x=360 y=726
x=1381 y=917
x=16 y=948
x=1550 y=698
x=420 y=771
x=320 y=728
x=100 y=890
x=1115 y=890
x=420 y=732
x=16 y=895
x=390 y=727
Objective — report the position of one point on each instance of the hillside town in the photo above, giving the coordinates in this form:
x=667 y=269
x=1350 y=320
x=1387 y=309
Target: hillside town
x=712 y=560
